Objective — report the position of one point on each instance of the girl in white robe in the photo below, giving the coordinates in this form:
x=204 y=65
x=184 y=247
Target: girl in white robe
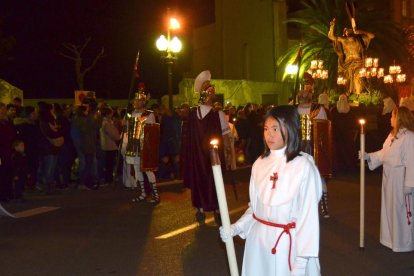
x=397 y=160
x=285 y=188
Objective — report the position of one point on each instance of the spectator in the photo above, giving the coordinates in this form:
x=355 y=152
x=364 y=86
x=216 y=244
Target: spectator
x=67 y=153
x=11 y=112
x=49 y=143
x=17 y=102
x=20 y=169
x=7 y=136
x=27 y=126
x=88 y=124
x=109 y=138
x=170 y=131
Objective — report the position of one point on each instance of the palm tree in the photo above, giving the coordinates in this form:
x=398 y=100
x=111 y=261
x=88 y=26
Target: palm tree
x=313 y=21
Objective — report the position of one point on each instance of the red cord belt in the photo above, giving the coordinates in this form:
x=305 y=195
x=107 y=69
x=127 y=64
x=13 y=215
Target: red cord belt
x=286 y=229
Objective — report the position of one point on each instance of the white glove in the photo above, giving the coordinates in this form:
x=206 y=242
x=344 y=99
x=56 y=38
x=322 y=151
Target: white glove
x=234 y=231
x=366 y=156
x=299 y=267
x=408 y=190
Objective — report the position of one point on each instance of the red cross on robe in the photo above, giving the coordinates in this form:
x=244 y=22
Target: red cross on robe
x=274 y=178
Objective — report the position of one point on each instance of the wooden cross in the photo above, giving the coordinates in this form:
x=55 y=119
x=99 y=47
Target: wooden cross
x=274 y=178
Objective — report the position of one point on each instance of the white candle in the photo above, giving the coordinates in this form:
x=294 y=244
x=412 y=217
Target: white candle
x=362 y=186
x=224 y=211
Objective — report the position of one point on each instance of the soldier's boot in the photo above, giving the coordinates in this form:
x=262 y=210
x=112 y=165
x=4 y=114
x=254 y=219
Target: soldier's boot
x=155 y=198
x=143 y=194
x=324 y=205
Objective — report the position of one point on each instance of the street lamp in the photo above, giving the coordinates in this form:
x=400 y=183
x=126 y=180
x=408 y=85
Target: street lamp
x=170 y=47
x=292 y=70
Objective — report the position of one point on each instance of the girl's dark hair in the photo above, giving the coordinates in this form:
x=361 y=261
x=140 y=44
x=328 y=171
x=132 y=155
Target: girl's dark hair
x=287 y=116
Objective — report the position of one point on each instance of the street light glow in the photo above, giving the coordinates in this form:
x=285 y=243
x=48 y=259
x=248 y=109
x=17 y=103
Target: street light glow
x=175 y=45
x=169 y=48
x=291 y=69
x=162 y=43
x=174 y=24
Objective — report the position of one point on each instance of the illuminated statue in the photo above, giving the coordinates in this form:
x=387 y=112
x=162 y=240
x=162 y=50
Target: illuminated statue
x=350 y=49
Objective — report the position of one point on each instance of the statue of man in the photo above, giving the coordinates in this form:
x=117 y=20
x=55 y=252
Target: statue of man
x=350 y=49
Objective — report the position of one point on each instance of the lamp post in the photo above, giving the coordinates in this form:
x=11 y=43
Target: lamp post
x=170 y=47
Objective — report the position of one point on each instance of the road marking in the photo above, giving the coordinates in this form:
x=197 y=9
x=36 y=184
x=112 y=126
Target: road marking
x=195 y=225
x=35 y=211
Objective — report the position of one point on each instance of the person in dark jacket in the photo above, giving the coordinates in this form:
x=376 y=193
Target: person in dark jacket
x=27 y=127
x=20 y=169
x=88 y=123
x=48 y=148
x=7 y=136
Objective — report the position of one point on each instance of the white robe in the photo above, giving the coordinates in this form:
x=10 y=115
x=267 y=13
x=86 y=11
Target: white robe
x=397 y=159
x=295 y=199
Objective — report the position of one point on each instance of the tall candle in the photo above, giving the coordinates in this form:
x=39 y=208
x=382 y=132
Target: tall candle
x=362 y=186
x=224 y=211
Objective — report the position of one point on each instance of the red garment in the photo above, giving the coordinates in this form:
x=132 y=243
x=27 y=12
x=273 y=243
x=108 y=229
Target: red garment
x=198 y=173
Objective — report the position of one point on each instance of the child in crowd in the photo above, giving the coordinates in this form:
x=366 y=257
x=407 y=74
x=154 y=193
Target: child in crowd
x=20 y=170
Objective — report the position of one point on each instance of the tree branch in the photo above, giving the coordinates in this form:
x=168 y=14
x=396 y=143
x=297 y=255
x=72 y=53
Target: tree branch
x=84 y=45
x=66 y=56
x=98 y=57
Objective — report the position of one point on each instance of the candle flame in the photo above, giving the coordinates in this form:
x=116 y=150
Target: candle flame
x=214 y=142
x=362 y=121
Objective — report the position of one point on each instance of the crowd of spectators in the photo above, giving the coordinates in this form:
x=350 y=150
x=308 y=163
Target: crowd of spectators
x=54 y=146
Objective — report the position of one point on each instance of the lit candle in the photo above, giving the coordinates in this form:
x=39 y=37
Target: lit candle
x=380 y=73
x=362 y=185
x=375 y=62
x=318 y=73
x=388 y=79
x=368 y=62
x=320 y=64
x=224 y=211
x=401 y=78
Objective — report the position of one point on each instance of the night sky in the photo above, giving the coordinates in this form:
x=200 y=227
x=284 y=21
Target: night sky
x=122 y=27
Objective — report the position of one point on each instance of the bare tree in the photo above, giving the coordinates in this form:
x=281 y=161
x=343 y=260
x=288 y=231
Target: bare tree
x=76 y=55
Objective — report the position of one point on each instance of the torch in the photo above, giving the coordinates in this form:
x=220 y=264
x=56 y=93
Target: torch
x=224 y=211
x=362 y=185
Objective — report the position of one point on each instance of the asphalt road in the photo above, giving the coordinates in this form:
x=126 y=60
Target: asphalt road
x=103 y=233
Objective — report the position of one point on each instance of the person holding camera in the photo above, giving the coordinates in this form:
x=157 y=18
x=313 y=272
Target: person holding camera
x=88 y=122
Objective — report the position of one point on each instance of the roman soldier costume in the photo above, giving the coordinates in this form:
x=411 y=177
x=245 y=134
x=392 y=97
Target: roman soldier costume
x=142 y=147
